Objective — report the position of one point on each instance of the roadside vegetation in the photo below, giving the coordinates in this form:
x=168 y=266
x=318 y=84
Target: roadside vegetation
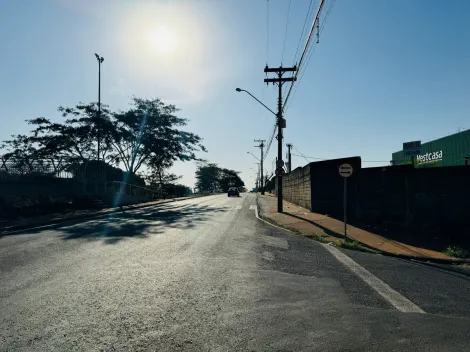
x=211 y=178
x=135 y=146
x=457 y=252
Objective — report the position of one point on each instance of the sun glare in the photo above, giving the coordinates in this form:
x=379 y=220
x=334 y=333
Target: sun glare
x=163 y=40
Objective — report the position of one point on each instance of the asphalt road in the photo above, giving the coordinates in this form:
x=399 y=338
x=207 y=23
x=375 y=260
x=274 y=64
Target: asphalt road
x=206 y=275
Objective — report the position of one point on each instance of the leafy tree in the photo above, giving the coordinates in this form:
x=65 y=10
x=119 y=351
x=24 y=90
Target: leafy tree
x=211 y=178
x=229 y=178
x=207 y=177
x=62 y=144
x=148 y=133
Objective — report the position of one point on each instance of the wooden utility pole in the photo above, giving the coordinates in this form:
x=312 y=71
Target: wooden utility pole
x=281 y=123
x=289 y=158
x=261 y=146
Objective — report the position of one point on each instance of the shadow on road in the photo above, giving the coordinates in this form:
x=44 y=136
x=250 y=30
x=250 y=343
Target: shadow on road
x=139 y=223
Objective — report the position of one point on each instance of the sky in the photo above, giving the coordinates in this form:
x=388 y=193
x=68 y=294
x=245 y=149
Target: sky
x=383 y=73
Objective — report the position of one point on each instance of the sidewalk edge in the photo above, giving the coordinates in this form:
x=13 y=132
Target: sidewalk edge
x=372 y=249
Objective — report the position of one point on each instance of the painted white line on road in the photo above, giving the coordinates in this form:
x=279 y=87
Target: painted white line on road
x=238 y=207
x=400 y=302
x=252 y=207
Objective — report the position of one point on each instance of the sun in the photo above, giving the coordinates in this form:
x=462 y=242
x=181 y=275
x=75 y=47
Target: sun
x=163 y=40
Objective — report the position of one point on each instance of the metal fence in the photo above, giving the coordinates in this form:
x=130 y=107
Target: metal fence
x=133 y=190
x=35 y=169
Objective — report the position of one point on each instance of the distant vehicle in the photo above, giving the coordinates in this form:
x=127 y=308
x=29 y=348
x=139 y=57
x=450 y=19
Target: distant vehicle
x=233 y=191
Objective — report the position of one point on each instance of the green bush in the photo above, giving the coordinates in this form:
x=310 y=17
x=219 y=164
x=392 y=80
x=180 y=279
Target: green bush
x=457 y=252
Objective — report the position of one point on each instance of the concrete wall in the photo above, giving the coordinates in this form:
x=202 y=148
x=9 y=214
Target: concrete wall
x=431 y=197
x=319 y=187
x=427 y=198
x=296 y=187
x=327 y=186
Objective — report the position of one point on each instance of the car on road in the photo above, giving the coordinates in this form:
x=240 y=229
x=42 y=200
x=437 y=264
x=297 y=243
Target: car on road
x=233 y=191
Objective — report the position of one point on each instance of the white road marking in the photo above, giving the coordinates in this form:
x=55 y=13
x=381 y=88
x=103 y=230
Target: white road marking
x=238 y=207
x=252 y=207
x=400 y=302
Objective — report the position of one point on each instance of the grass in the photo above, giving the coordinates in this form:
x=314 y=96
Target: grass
x=457 y=252
x=354 y=245
x=316 y=237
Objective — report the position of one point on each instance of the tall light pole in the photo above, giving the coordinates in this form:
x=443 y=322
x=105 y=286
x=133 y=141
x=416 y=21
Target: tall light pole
x=260 y=141
x=261 y=146
x=254 y=156
x=100 y=61
x=257 y=176
x=259 y=101
x=261 y=181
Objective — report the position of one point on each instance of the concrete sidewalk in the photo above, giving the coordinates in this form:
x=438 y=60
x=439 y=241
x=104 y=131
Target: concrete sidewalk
x=331 y=230
x=51 y=219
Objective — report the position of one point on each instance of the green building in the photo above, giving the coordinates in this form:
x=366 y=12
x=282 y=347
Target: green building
x=447 y=151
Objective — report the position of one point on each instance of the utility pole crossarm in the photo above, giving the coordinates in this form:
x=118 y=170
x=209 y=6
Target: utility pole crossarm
x=277 y=80
x=280 y=69
x=280 y=121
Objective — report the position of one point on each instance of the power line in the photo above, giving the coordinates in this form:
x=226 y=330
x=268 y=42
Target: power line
x=270 y=141
x=303 y=29
x=307 y=157
x=311 y=51
x=300 y=153
x=364 y=161
x=314 y=23
x=285 y=33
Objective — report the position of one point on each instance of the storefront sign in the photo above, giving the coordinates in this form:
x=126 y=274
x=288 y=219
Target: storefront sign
x=429 y=157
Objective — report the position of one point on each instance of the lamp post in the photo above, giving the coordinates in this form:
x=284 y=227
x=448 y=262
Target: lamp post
x=257 y=176
x=259 y=101
x=262 y=141
x=253 y=156
x=100 y=61
x=261 y=177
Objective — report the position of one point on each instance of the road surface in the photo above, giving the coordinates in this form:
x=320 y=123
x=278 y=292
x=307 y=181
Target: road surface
x=206 y=275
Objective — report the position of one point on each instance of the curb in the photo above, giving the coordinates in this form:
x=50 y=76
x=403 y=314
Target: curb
x=378 y=251
x=12 y=230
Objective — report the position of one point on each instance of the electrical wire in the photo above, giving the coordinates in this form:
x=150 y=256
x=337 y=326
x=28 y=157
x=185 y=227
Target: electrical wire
x=293 y=146
x=303 y=29
x=306 y=47
x=285 y=32
x=270 y=141
x=364 y=161
x=310 y=53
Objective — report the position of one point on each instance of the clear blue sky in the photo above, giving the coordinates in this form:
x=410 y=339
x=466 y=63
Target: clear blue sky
x=384 y=72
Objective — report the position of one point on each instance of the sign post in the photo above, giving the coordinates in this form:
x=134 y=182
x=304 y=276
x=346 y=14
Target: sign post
x=345 y=171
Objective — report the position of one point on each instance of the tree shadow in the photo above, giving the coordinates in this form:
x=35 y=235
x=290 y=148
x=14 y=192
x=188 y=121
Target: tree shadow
x=141 y=223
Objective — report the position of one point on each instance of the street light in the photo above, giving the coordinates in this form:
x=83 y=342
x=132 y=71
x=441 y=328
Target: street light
x=257 y=177
x=259 y=101
x=253 y=156
x=100 y=61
